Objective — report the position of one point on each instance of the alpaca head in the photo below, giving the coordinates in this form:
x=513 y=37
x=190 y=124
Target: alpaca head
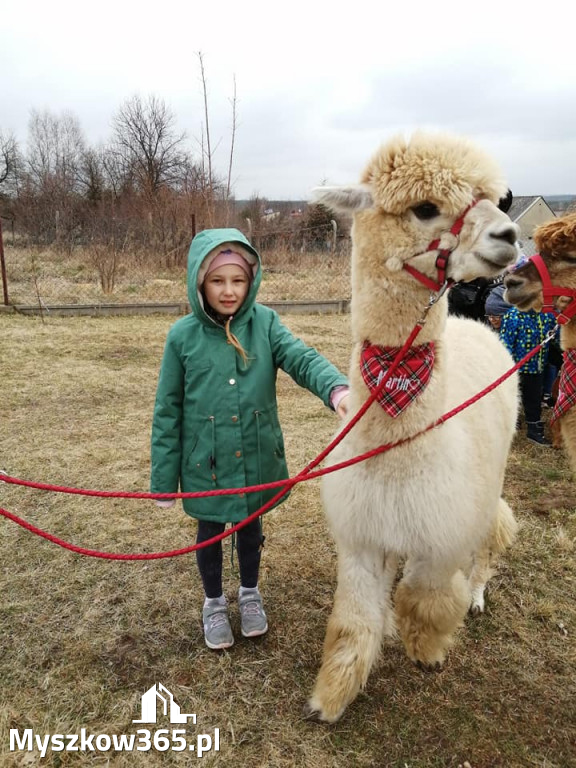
x=556 y=243
x=410 y=195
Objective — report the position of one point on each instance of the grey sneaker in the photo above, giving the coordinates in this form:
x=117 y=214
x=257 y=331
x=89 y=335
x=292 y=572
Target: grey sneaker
x=217 y=630
x=252 y=617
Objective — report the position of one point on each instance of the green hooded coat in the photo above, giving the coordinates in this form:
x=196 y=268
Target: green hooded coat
x=215 y=421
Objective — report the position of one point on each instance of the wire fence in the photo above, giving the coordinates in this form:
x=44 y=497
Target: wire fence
x=44 y=277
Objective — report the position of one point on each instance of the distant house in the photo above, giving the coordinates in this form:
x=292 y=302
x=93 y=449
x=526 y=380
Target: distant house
x=528 y=213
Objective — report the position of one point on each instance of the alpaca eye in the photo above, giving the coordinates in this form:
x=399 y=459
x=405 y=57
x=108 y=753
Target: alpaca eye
x=425 y=211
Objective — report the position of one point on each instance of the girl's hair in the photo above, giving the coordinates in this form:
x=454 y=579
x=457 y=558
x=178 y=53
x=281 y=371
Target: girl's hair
x=232 y=339
x=225 y=321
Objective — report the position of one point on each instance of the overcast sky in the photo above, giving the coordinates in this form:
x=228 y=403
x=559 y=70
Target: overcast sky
x=319 y=84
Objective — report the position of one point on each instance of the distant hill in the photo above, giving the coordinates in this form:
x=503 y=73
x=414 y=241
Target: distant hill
x=275 y=204
x=561 y=203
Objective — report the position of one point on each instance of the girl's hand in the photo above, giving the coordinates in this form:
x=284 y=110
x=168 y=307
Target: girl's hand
x=342 y=409
x=165 y=503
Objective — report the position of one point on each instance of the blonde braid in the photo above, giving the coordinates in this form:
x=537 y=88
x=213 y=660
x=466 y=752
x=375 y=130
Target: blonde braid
x=231 y=338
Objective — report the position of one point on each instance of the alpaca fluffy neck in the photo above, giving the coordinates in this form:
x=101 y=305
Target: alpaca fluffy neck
x=387 y=302
x=385 y=310
x=568 y=335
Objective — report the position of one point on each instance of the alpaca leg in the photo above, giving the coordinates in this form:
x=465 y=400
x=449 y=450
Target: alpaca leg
x=431 y=603
x=360 y=616
x=479 y=577
x=389 y=575
x=568 y=435
x=499 y=539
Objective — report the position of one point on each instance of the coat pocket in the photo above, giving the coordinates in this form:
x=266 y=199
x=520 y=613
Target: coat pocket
x=278 y=436
x=197 y=372
x=199 y=446
x=270 y=438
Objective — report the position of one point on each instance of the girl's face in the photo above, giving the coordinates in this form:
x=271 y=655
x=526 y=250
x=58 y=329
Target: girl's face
x=226 y=288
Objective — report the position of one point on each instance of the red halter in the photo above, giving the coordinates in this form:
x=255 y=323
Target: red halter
x=441 y=262
x=551 y=291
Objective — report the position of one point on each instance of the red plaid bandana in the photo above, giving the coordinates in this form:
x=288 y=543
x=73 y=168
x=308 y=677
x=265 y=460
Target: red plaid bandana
x=566 y=385
x=408 y=380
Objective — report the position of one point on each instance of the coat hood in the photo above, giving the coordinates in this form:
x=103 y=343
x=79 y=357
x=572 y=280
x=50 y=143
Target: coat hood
x=496 y=304
x=204 y=247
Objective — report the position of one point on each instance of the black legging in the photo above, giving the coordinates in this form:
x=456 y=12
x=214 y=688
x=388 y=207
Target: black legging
x=249 y=541
x=531 y=388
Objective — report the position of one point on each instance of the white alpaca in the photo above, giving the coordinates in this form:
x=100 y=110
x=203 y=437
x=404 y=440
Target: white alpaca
x=436 y=501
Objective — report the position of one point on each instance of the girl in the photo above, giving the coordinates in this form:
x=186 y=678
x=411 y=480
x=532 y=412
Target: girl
x=215 y=421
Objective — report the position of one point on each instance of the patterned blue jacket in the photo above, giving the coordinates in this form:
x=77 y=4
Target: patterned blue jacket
x=522 y=331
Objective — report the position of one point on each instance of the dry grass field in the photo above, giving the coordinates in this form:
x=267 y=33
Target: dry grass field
x=81 y=639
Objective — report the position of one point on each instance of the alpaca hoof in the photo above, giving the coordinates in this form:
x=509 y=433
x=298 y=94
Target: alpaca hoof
x=309 y=713
x=435 y=666
x=314 y=712
x=477 y=602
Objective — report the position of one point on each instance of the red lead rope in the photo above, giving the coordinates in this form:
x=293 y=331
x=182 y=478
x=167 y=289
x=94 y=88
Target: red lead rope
x=286 y=485
x=305 y=474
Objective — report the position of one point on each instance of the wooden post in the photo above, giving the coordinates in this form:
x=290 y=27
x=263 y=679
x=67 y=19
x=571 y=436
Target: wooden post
x=3 y=268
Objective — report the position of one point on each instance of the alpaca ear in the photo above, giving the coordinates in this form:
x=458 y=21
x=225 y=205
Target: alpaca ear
x=356 y=197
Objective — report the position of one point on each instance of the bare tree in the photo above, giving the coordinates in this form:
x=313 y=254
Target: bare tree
x=9 y=160
x=215 y=189
x=50 y=200
x=92 y=175
x=231 y=158
x=117 y=177
x=146 y=144
x=55 y=150
x=207 y=150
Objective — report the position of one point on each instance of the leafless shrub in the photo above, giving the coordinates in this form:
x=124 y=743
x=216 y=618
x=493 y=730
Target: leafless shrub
x=106 y=258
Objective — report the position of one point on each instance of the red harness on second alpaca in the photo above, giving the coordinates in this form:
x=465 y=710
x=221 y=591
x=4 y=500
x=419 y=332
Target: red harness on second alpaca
x=551 y=291
x=567 y=384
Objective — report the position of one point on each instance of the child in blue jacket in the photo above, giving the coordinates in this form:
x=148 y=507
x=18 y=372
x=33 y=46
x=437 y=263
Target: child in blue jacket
x=520 y=332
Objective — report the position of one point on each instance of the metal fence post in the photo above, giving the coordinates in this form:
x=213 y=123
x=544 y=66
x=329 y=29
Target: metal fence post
x=3 y=267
